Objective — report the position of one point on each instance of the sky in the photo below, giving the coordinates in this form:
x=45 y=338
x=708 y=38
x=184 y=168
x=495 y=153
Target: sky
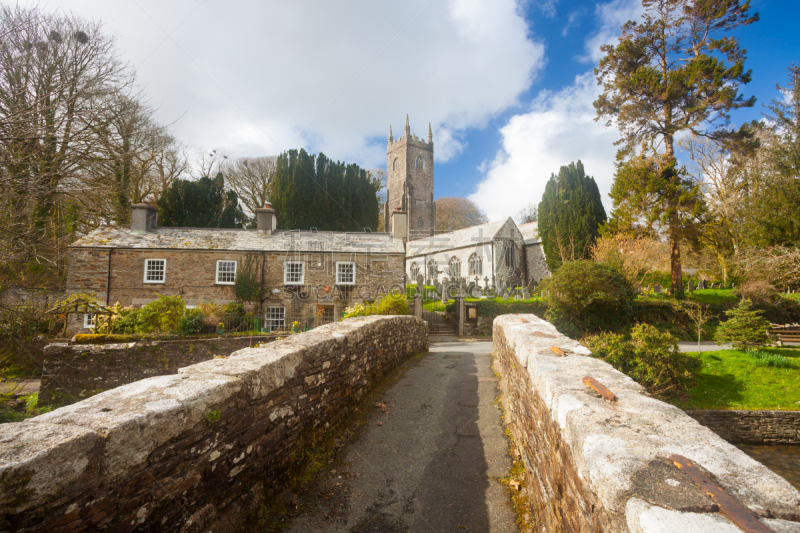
x=507 y=85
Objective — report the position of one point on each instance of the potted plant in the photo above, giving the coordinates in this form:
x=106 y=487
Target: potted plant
x=221 y=328
x=295 y=326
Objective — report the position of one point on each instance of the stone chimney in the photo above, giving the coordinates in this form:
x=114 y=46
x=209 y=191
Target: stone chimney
x=144 y=217
x=400 y=224
x=266 y=219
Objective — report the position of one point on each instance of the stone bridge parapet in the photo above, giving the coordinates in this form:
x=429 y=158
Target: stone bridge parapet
x=598 y=465
x=199 y=450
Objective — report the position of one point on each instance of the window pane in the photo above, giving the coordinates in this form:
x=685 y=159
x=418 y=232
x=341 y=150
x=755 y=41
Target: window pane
x=293 y=273
x=226 y=271
x=275 y=319
x=154 y=269
x=345 y=273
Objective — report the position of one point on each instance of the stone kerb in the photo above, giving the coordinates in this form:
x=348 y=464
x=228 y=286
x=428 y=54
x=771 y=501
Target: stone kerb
x=601 y=466
x=196 y=447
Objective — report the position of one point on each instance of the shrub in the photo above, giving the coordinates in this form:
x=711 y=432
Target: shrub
x=160 y=315
x=759 y=292
x=191 y=322
x=23 y=330
x=650 y=357
x=234 y=308
x=745 y=327
x=588 y=296
x=390 y=304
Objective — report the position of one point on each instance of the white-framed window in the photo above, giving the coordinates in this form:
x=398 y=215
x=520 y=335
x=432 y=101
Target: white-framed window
x=420 y=163
x=345 y=273
x=275 y=318
x=414 y=272
x=475 y=265
x=294 y=273
x=455 y=267
x=226 y=272
x=88 y=320
x=155 y=270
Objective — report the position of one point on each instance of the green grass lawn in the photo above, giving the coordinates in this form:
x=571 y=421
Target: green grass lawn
x=731 y=379
x=705 y=296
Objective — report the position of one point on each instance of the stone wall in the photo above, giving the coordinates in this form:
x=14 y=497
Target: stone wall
x=593 y=465
x=536 y=263
x=192 y=275
x=196 y=451
x=75 y=372
x=752 y=427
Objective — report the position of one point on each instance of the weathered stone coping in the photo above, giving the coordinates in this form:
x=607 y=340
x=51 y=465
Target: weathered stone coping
x=168 y=451
x=617 y=451
x=751 y=427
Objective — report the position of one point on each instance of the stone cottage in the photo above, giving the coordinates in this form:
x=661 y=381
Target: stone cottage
x=311 y=276
x=497 y=254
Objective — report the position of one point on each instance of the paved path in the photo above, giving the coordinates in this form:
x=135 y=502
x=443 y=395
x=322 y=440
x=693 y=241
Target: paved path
x=705 y=346
x=430 y=464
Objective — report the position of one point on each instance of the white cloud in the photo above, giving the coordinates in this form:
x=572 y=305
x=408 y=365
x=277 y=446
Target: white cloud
x=558 y=129
x=331 y=76
x=610 y=18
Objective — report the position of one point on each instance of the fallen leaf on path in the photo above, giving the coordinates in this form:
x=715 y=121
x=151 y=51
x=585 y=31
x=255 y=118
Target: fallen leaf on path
x=380 y=423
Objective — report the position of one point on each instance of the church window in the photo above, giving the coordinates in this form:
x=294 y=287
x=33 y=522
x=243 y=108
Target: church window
x=455 y=267
x=510 y=259
x=432 y=271
x=414 y=272
x=420 y=163
x=394 y=164
x=475 y=265
x=420 y=223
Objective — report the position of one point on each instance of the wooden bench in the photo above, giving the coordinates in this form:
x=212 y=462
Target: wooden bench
x=785 y=333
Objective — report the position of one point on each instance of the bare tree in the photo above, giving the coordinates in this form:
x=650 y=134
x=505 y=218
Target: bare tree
x=250 y=178
x=59 y=76
x=458 y=213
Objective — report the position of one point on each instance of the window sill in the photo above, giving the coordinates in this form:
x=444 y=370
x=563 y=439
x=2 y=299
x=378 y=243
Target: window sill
x=155 y=282
x=225 y=283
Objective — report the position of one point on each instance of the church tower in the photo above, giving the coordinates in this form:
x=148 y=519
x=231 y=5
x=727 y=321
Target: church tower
x=409 y=183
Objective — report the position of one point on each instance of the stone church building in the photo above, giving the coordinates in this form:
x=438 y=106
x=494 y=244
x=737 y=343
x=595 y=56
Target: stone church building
x=494 y=254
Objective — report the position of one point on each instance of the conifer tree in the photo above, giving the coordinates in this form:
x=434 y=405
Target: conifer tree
x=677 y=70
x=745 y=327
x=570 y=214
x=313 y=191
x=200 y=204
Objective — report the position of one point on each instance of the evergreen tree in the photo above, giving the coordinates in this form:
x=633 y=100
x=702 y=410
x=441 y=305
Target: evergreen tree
x=677 y=70
x=570 y=214
x=745 y=327
x=313 y=191
x=200 y=204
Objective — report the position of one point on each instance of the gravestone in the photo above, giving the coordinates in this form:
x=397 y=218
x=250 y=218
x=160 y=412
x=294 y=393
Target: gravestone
x=690 y=286
x=420 y=282
x=505 y=296
x=657 y=288
x=703 y=284
x=526 y=295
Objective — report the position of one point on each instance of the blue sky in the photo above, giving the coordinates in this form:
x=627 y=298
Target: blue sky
x=506 y=84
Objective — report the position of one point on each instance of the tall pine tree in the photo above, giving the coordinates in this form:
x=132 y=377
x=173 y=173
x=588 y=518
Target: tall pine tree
x=676 y=70
x=570 y=214
x=200 y=204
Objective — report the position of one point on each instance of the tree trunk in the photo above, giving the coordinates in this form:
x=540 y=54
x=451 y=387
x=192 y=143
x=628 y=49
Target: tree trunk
x=675 y=261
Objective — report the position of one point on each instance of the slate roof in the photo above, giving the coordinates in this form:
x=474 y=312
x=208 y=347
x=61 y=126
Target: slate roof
x=530 y=232
x=455 y=239
x=241 y=240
